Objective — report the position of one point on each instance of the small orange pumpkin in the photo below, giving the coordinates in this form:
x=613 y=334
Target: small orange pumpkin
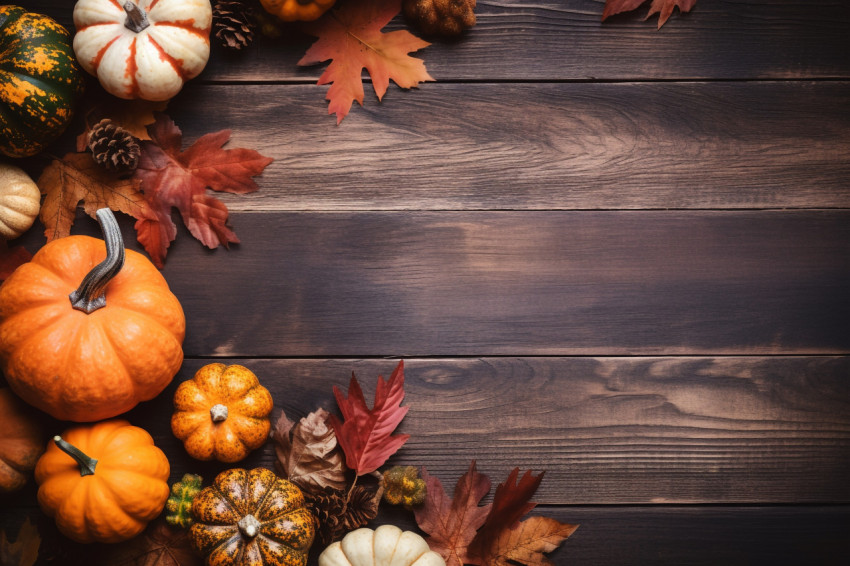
x=252 y=517
x=102 y=482
x=94 y=352
x=21 y=442
x=222 y=413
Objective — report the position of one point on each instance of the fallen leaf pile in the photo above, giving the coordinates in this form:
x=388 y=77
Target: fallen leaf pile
x=351 y=38
x=664 y=8
x=464 y=532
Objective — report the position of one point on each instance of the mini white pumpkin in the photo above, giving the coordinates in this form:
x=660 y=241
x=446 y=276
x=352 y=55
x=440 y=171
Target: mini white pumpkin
x=143 y=48
x=20 y=201
x=385 y=546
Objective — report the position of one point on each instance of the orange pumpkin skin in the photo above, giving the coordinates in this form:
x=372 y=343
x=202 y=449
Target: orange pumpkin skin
x=283 y=527
x=21 y=441
x=247 y=406
x=128 y=488
x=87 y=367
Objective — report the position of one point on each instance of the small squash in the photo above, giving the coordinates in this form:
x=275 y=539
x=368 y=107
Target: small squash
x=39 y=81
x=252 y=517
x=94 y=352
x=222 y=413
x=143 y=48
x=20 y=201
x=385 y=546
x=21 y=442
x=297 y=10
x=102 y=482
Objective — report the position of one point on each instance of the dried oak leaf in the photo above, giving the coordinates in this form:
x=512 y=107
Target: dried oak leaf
x=76 y=177
x=131 y=115
x=22 y=552
x=351 y=36
x=308 y=453
x=159 y=545
x=527 y=542
x=662 y=7
x=175 y=178
x=452 y=524
x=366 y=435
x=11 y=259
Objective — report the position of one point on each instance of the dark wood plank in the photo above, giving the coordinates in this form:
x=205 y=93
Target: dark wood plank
x=515 y=283
x=614 y=536
x=565 y=40
x=605 y=430
x=573 y=146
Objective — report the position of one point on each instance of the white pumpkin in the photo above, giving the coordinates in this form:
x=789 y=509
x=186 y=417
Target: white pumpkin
x=20 y=201
x=143 y=48
x=385 y=546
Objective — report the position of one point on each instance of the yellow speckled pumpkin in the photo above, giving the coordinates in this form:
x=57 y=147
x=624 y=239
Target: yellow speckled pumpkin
x=252 y=517
x=222 y=413
x=39 y=81
x=102 y=482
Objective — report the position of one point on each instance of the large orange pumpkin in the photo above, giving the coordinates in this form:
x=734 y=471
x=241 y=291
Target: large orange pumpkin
x=102 y=482
x=92 y=350
x=21 y=441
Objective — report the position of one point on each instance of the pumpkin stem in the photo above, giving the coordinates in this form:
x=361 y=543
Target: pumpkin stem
x=249 y=526
x=91 y=294
x=137 y=19
x=218 y=413
x=87 y=463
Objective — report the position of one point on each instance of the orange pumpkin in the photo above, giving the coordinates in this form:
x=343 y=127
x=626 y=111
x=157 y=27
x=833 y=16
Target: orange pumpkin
x=102 y=482
x=94 y=352
x=252 y=517
x=222 y=413
x=21 y=441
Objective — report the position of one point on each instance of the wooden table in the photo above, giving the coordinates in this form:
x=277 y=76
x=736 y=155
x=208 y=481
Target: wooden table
x=616 y=254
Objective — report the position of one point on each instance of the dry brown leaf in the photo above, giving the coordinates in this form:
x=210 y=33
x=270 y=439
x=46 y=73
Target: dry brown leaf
x=527 y=542
x=132 y=115
x=76 y=177
x=22 y=552
x=308 y=453
x=159 y=545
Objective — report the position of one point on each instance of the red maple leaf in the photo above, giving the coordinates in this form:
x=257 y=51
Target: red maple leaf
x=452 y=524
x=351 y=36
x=179 y=179
x=662 y=7
x=366 y=435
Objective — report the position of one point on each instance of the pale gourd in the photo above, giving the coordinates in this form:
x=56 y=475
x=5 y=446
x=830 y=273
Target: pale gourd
x=143 y=48
x=385 y=546
x=20 y=201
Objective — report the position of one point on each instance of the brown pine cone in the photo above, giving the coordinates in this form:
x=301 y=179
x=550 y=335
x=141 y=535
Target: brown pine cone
x=335 y=517
x=440 y=17
x=233 y=25
x=114 y=148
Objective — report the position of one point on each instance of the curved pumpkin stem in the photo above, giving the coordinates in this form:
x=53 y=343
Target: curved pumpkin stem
x=137 y=19
x=87 y=463
x=91 y=294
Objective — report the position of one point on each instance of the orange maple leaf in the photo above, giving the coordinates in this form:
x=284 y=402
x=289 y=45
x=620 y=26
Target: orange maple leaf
x=527 y=542
x=351 y=37
x=662 y=7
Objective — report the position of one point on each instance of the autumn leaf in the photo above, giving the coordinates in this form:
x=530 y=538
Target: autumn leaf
x=452 y=524
x=22 y=552
x=75 y=178
x=172 y=178
x=351 y=37
x=366 y=435
x=662 y=7
x=11 y=259
x=131 y=115
x=159 y=545
x=527 y=542
x=307 y=452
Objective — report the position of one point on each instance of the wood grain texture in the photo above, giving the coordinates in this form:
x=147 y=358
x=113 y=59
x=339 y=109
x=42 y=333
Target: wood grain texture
x=573 y=146
x=654 y=430
x=566 y=40
x=515 y=283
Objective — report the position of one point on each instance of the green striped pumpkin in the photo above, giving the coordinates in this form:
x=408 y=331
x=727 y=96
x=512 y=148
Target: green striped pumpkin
x=39 y=81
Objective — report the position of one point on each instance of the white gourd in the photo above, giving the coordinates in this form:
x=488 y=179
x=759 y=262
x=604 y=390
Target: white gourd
x=385 y=546
x=20 y=201
x=143 y=48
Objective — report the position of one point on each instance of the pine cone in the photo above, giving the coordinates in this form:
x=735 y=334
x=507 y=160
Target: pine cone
x=335 y=517
x=233 y=25
x=114 y=148
x=440 y=17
